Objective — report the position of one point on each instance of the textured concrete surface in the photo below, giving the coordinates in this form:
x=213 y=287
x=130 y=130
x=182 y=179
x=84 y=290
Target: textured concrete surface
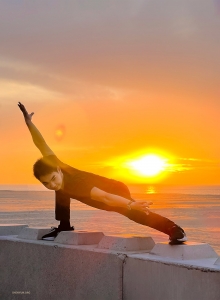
x=186 y=251
x=79 y=237
x=51 y=271
x=163 y=280
x=36 y=269
x=126 y=243
x=33 y=233
x=11 y=229
x=217 y=262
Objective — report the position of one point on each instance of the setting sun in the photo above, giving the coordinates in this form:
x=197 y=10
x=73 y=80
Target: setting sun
x=149 y=165
x=143 y=166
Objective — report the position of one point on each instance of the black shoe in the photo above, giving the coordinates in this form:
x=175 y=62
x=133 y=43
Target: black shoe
x=177 y=235
x=54 y=232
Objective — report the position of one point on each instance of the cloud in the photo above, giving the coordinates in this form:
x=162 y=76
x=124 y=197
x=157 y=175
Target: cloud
x=120 y=44
x=14 y=91
x=28 y=82
x=187 y=164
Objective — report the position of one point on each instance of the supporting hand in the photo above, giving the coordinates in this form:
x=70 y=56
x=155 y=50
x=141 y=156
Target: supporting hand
x=27 y=116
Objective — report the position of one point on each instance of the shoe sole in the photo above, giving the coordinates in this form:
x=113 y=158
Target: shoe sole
x=52 y=238
x=178 y=241
x=184 y=239
x=49 y=239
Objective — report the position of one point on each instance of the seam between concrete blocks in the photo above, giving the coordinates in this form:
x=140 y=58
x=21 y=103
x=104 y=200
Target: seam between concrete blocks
x=123 y=257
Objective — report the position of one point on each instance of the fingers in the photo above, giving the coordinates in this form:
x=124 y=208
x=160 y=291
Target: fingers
x=148 y=202
x=21 y=106
x=145 y=203
x=147 y=211
x=142 y=206
x=145 y=207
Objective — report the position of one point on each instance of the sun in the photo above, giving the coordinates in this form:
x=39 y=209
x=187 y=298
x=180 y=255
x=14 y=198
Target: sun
x=148 y=165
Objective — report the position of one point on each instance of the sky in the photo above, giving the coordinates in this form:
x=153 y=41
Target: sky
x=111 y=81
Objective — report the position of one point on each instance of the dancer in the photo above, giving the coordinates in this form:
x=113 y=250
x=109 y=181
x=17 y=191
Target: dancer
x=91 y=189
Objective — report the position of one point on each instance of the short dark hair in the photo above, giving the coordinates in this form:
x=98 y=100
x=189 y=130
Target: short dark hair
x=43 y=166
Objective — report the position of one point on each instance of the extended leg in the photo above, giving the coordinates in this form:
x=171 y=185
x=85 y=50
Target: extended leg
x=152 y=220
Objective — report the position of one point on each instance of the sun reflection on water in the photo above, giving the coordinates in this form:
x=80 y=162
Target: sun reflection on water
x=150 y=190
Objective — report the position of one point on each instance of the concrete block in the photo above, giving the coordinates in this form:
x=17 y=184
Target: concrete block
x=155 y=280
x=58 y=272
x=126 y=243
x=33 y=233
x=79 y=237
x=217 y=262
x=11 y=229
x=186 y=251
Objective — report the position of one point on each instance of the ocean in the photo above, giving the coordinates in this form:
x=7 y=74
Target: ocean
x=195 y=208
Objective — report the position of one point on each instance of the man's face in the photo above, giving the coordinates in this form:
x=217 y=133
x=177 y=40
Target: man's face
x=53 y=181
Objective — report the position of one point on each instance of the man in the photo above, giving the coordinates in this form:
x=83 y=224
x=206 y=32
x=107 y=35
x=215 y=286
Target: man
x=91 y=189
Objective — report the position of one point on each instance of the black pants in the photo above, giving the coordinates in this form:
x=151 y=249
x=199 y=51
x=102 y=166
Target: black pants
x=153 y=220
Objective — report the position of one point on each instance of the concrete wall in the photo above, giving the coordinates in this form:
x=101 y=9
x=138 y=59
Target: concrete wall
x=155 y=280
x=38 y=270
x=51 y=271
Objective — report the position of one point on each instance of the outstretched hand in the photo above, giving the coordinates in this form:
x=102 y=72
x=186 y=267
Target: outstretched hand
x=141 y=206
x=27 y=116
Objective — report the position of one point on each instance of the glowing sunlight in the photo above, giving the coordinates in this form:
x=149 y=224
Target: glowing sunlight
x=149 y=165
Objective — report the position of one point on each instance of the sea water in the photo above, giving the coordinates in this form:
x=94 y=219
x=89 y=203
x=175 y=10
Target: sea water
x=195 y=208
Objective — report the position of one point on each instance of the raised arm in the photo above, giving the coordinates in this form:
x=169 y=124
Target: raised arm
x=35 y=133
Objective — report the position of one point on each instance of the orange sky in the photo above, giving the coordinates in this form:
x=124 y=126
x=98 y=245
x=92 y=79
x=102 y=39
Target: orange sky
x=119 y=78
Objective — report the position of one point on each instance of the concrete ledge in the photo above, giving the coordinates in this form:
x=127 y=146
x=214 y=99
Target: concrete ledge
x=79 y=237
x=33 y=233
x=217 y=262
x=126 y=243
x=186 y=251
x=11 y=229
